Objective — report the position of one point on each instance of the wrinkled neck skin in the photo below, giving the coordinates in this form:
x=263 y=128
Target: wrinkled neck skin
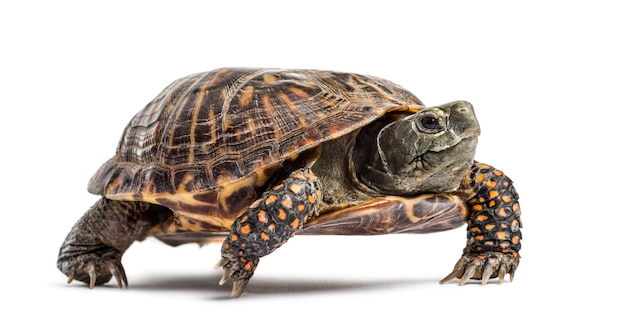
x=405 y=161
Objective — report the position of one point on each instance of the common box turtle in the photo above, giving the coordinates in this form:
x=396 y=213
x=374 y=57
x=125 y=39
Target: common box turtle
x=256 y=156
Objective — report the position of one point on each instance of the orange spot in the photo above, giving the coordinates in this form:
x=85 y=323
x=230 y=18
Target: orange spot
x=501 y=235
x=309 y=140
x=248 y=266
x=255 y=203
x=114 y=184
x=245 y=229
x=287 y=202
x=489 y=243
x=271 y=199
x=515 y=239
x=252 y=126
x=516 y=207
x=311 y=198
x=296 y=188
x=301 y=207
x=282 y=214
x=243 y=260
x=262 y=216
x=299 y=92
x=333 y=129
x=264 y=236
x=502 y=212
x=267 y=105
x=278 y=187
x=226 y=246
x=271 y=227
x=478 y=207
x=506 y=250
x=490 y=226
x=493 y=194
x=480 y=178
x=270 y=78
x=480 y=237
x=515 y=255
x=498 y=172
x=294 y=224
x=285 y=99
x=491 y=184
x=244 y=219
x=506 y=198
x=234 y=237
x=475 y=230
x=246 y=95
x=482 y=217
x=482 y=165
x=513 y=224
x=298 y=176
x=492 y=204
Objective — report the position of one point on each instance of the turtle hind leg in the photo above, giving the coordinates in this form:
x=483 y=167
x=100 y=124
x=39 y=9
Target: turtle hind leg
x=267 y=224
x=92 y=251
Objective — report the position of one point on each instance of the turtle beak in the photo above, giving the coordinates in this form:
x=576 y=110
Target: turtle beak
x=463 y=119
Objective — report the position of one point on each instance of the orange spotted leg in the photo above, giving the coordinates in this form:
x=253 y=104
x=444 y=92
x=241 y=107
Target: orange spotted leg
x=267 y=224
x=493 y=232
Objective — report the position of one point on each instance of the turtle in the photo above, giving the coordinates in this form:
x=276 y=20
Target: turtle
x=251 y=157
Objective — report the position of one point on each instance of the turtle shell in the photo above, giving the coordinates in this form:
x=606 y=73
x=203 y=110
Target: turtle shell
x=209 y=141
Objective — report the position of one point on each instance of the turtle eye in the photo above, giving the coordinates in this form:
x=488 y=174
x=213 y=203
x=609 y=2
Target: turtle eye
x=429 y=124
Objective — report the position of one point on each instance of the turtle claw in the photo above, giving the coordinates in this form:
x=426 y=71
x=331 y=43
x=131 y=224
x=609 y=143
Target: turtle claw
x=224 y=278
x=486 y=274
x=239 y=285
x=94 y=269
x=91 y=271
x=469 y=272
x=225 y=275
x=117 y=270
x=240 y=276
x=502 y=273
x=483 y=267
x=70 y=275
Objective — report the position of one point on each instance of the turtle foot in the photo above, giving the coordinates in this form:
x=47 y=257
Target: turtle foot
x=239 y=271
x=483 y=267
x=94 y=268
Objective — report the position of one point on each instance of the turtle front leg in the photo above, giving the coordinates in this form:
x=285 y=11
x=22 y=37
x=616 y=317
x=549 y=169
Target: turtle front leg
x=267 y=224
x=92 y=251
x=493 y=230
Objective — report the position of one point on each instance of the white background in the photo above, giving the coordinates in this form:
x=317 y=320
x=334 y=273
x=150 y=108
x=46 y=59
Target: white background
x=546 y=79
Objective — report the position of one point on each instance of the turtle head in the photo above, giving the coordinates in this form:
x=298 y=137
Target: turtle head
x=430 y=151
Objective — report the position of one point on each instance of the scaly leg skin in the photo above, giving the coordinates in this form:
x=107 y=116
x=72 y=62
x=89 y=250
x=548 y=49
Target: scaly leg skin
x=267 y=224
x=92 y=251
x=493 y=232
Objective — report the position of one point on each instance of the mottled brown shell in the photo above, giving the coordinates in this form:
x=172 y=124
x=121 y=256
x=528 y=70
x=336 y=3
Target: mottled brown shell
x=209 y=139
